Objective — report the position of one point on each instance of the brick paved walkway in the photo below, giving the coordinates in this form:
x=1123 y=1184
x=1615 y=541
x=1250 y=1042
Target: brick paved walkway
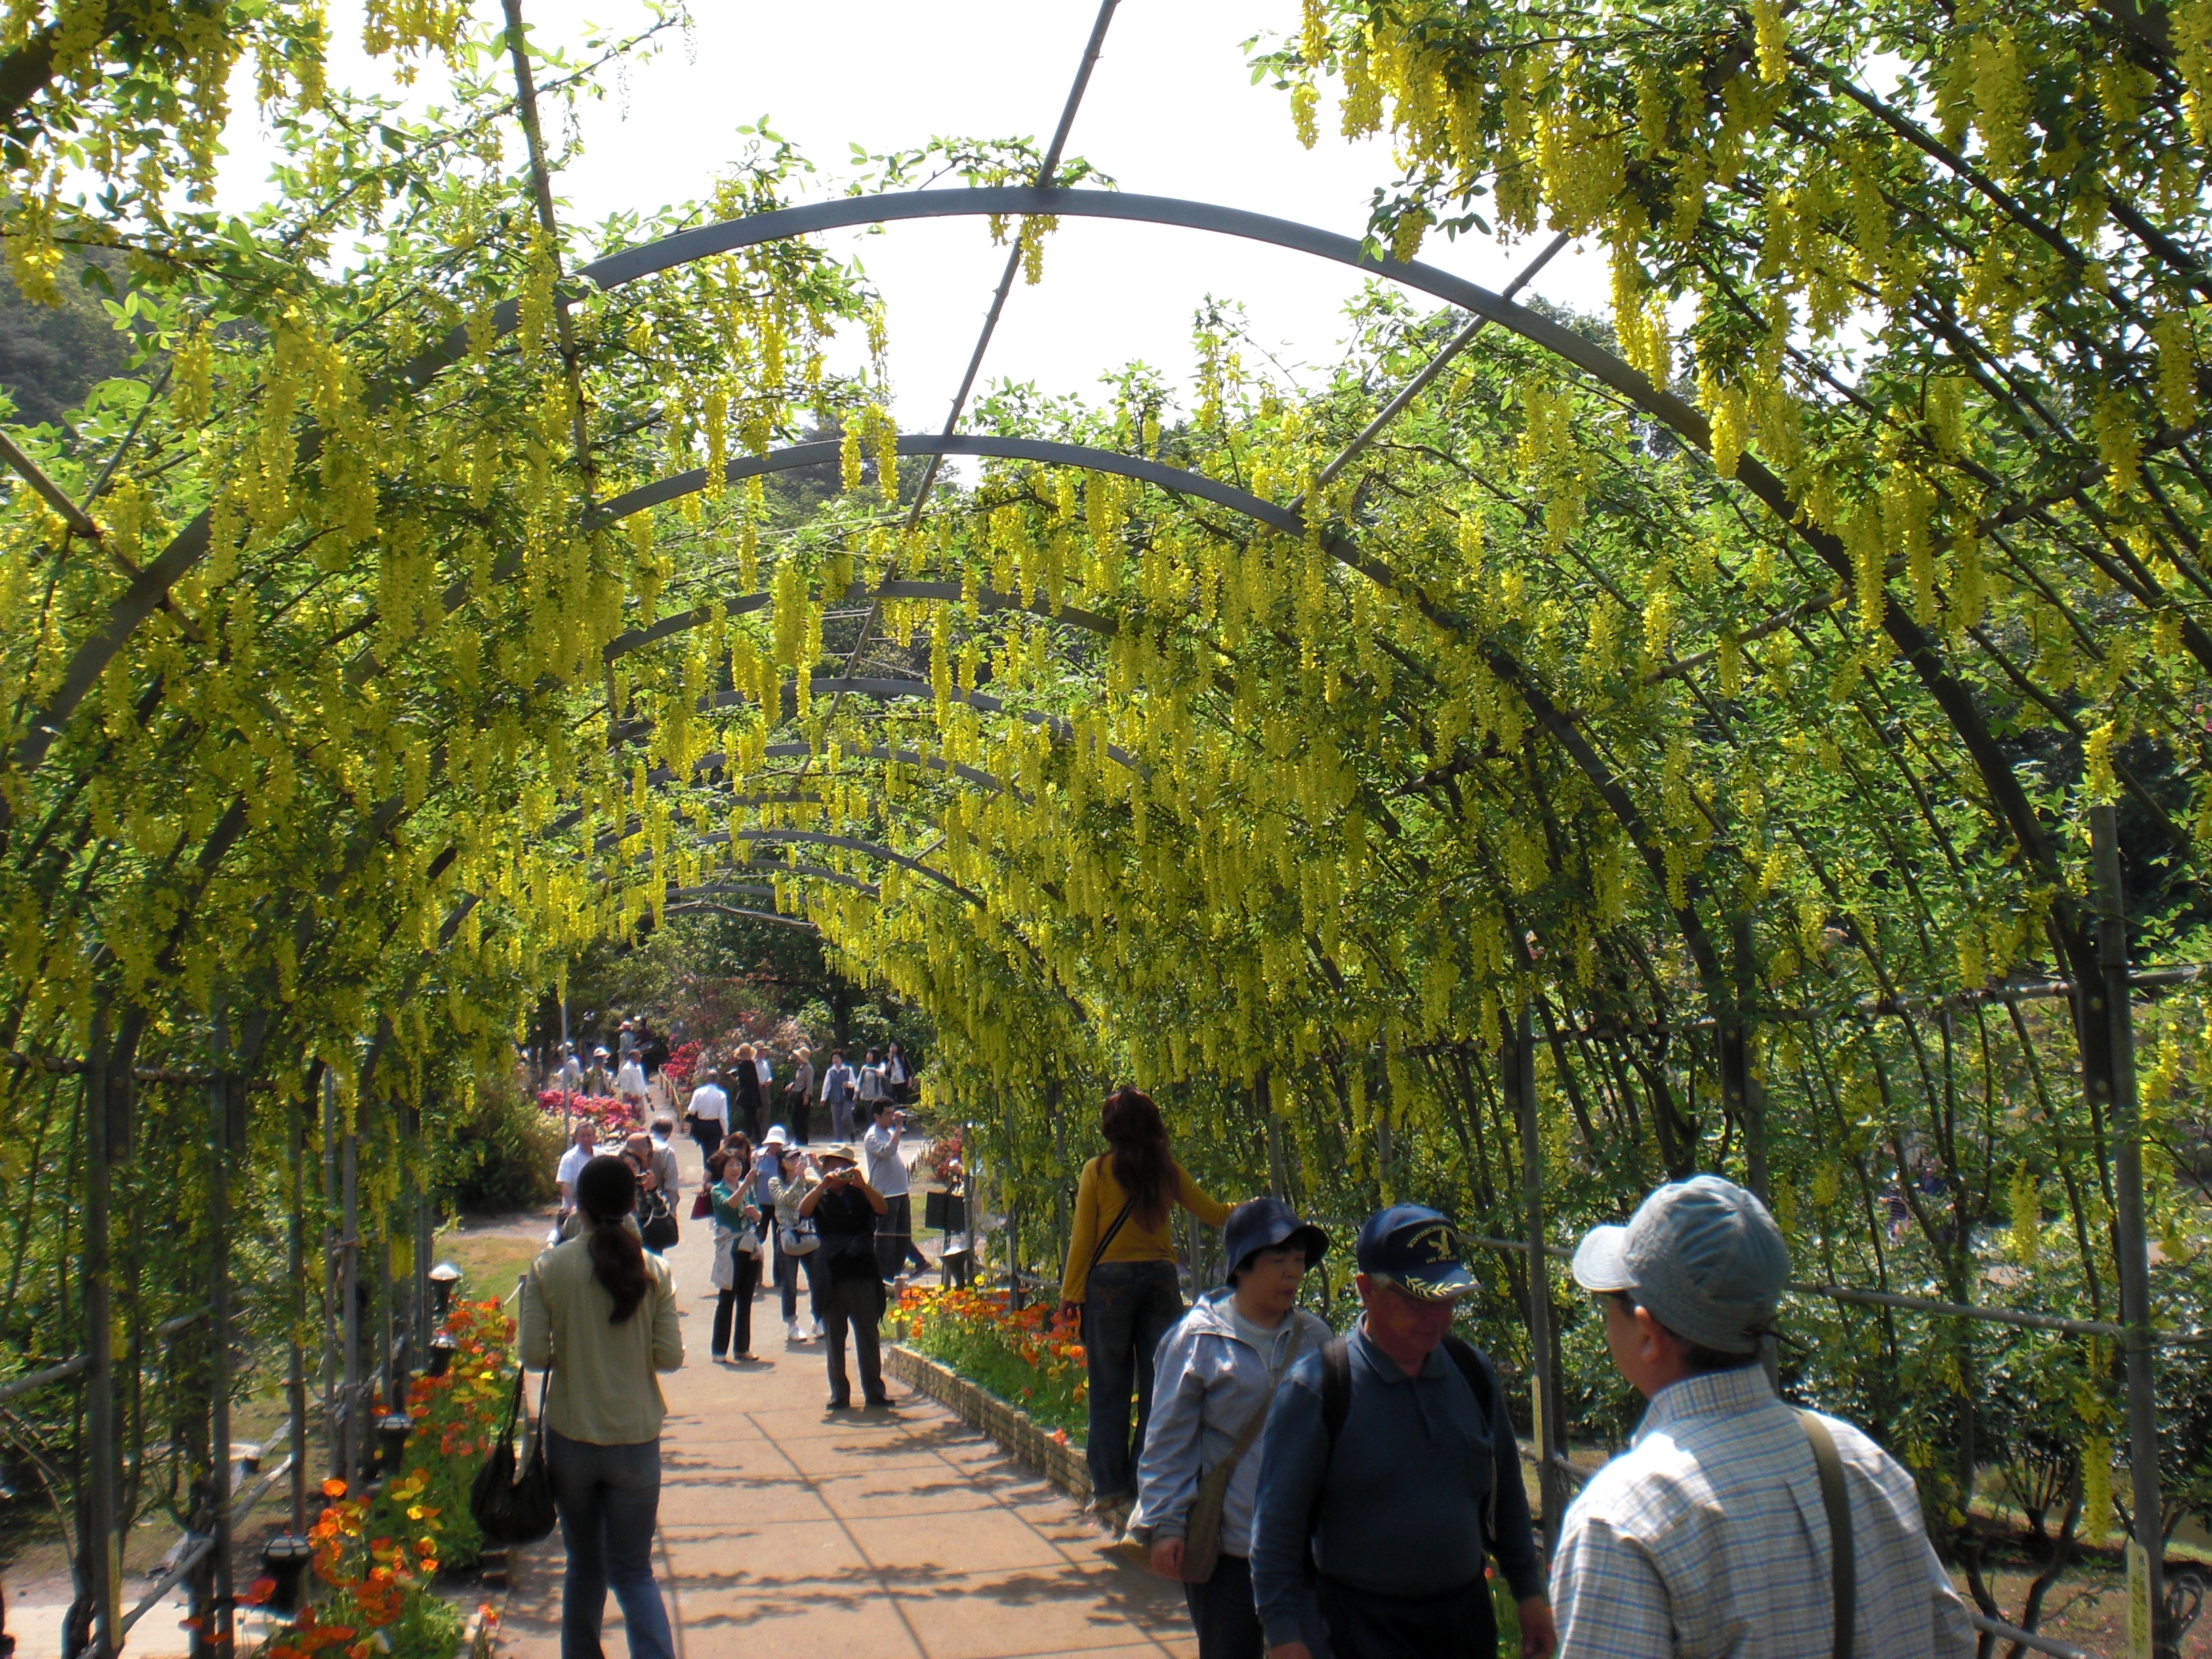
x=788 y=1531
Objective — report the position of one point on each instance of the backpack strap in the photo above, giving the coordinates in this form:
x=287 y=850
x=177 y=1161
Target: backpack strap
x=1482 y=1384
x=1842 y=1565
x=1336 y=1407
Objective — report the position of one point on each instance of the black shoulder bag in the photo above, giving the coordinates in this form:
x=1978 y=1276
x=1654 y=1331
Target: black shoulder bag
x=508 y=1508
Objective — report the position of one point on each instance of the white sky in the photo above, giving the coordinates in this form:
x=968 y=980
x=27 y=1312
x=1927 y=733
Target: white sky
x=1171 y=110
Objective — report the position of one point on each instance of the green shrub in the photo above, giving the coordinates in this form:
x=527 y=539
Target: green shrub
x=497 y=1151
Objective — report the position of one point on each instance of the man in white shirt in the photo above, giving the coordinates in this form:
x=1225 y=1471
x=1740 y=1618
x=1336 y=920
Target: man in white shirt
x=572 y=1069
x=1713 y=1533
x=586 y=1147
x=886 y=1171
x=709 y=1111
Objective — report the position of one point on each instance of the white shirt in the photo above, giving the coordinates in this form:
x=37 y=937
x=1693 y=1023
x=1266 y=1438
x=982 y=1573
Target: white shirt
x=708 y=1101
x=767 y=1071
x=895 y=1069
x=630 y=1079
x=871 y=1085
x=572 y=1162
x=1708 y=1540
x=886 y=1169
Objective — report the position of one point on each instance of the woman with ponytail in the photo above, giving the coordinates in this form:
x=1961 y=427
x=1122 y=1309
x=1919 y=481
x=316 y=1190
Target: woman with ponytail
x=600 y=1314
x=1121 y=1276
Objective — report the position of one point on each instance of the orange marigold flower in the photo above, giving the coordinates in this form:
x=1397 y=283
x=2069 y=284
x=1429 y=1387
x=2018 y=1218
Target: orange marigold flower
x=334 y=1488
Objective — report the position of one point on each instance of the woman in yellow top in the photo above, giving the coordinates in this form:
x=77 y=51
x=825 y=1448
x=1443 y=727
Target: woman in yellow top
x=1122 y=1275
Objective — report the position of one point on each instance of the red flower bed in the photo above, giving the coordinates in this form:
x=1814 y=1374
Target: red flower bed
x=681 y=1065
x=613 y=1115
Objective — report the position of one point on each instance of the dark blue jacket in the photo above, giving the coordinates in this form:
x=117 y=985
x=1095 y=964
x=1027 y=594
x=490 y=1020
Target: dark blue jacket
x=1402 y=1500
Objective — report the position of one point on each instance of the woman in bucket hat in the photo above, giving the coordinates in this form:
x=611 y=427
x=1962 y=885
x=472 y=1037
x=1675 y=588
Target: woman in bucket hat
x=1215 y=1374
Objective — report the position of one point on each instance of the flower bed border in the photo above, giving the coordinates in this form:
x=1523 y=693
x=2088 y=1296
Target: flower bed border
x=1009 y=1426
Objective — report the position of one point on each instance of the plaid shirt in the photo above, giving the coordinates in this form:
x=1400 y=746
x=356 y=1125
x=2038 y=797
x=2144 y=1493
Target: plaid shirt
x=1708 y=1538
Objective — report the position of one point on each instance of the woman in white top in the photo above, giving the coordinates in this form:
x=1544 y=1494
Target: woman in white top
x=786 y=1191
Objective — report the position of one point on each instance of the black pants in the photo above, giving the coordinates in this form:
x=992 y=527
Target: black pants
x=1361 y=1624
x=854 y=1303
x=895 y=1245
x=708 y=1133
x=1222 y=1613
x=796 y=1111
x=735 y=1305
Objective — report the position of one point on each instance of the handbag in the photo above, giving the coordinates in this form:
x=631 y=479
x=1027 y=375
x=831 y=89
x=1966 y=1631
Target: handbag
x=1201 y=1536
x=702 y=1205
x=660 y=1230
x=510 y=1508
x=800 y=1238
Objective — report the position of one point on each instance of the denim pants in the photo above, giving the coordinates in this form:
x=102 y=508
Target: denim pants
x=790 y=1270
x=854 y=1302
x=610 y=1500
x=1127 y=1307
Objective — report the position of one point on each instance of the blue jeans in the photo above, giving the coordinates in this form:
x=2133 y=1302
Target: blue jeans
x=1127 y=1307
x=610 y=1500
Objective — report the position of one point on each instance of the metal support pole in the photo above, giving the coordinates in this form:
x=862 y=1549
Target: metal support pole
x=1544 y=1396
x=351 y=1442
x=2146 y=1551
x=333 y=1420
x=296 y=1357
x=223 y=1095
x=99 y=1542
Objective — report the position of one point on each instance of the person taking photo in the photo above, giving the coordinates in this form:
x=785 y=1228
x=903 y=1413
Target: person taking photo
x=849 y=1288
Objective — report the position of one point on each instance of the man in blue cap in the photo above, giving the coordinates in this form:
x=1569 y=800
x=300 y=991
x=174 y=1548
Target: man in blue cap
x=1216 y=1371
x=1719 y=1530
x=1389 y=1473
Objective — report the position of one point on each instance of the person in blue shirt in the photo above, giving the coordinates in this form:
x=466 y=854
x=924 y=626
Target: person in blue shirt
x=1388 y=1474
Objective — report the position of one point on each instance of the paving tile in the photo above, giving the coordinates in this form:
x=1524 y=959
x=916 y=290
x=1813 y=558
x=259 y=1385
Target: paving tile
x=788 y=1532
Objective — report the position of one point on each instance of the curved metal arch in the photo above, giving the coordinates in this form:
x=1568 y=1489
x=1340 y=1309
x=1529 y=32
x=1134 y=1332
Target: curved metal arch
x=1030 y=200
x=851 y=843
x=983 y=445
x=681 y=907
x=892 y=690
x=988 y=598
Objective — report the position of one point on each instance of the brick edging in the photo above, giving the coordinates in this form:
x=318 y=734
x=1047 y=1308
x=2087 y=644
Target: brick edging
x=1009 y=1426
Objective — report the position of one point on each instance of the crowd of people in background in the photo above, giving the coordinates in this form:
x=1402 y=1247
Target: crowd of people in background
x=1316 y=1493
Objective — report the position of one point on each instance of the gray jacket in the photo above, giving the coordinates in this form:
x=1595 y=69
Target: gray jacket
x=1207 y=1381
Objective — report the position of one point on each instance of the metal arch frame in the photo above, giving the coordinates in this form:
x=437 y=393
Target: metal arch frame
x=887 y=689
x=739 y=605
x=984 y=446
x=1031 y=201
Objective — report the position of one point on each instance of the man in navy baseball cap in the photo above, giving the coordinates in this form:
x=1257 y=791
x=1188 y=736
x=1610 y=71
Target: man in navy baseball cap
x=1415 y=1249
x=1389 y=1476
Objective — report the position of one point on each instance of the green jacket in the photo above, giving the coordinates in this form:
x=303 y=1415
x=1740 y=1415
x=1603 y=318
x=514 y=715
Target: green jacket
x=605 y=1388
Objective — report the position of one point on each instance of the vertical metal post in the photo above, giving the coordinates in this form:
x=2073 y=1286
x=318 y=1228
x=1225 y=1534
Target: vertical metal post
x=296 y=1357
x=221 y=1609
x=98 y=1540
x=1524 y=1071
x=351 y=1441
x=333 y=1419
x=2125 y=1119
